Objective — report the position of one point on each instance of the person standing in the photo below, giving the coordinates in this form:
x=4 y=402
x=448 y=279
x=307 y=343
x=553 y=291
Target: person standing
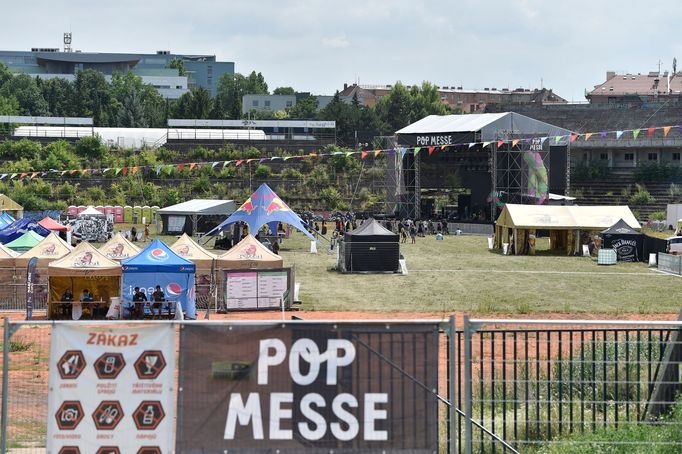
x=146 y=233
x=413 y=233
x=133 y=234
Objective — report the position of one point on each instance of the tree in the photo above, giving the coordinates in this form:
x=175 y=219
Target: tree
x=284 y=91
x=200 y=103
x=9 y=105
x=24 y=89
x=93 y=98
x=131 y=114
x=233 y=87
x=305 y=107
x=59 y=95
x=178 y=64
x=395 y=109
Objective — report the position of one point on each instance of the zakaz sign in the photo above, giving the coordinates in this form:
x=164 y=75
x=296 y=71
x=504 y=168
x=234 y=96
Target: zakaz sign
x=309 y=388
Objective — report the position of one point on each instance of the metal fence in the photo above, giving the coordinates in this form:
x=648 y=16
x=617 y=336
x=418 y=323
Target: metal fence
x=514 y=385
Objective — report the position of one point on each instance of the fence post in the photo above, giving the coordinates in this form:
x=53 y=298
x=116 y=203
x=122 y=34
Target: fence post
x=5 y=384
x=453 y=385
x=468 y=411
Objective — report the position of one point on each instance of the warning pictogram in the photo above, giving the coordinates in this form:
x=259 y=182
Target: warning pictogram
x=107 y=415
x=109 y=365
x=69 y=415
x=149 y=450
x=71 y=450
x=150 y=364
x=71 y=364
x=108 y=450
x=148 y=415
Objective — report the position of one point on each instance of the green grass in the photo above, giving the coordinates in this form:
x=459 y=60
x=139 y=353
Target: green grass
x=461 y=274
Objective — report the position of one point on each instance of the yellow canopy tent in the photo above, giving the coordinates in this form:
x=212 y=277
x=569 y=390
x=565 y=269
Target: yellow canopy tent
x=48 y=250
x=119 y=248
x=565 y=224
x=83 y=268
x=249 y=254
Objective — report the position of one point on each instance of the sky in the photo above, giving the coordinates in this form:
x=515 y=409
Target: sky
x=317 y=46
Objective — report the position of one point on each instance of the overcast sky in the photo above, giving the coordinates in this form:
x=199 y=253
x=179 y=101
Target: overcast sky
x=318 y=45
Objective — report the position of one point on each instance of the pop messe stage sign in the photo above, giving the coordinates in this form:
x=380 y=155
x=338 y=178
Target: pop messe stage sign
x=308 y=387
x=111 y=389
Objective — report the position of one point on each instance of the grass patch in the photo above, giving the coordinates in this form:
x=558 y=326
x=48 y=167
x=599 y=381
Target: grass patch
x=18 y=345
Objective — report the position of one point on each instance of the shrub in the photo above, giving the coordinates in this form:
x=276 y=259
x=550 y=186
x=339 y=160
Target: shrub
x=592 y=170
x=262 y=171
x=657 y=216
x=641 y=197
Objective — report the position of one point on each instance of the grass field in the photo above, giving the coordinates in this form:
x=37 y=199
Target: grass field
x=461 y=274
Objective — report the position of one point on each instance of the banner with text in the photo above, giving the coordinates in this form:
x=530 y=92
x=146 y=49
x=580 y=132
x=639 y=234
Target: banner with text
x=111 y=390
x=308 y=387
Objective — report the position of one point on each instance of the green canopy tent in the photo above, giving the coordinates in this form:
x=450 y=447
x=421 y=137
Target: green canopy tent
x=25 y=242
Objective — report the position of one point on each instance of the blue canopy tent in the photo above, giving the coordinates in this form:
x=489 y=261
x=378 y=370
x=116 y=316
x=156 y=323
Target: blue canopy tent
x=19 y=227
x=3 y=222
x=263 y=207
x=156 y=265
x=6 y=217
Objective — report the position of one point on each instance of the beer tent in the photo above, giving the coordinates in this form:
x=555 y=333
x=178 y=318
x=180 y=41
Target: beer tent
x=263 y=207
x=627 y=241
x=564 y=223
x=83 y=268
x=371 y=248
x=250 y=254
x=52 y=225
x=51 y=248
x=119 y=248
x=24 y=242
x=156 y=265
x=19 y=227
x=204 y=261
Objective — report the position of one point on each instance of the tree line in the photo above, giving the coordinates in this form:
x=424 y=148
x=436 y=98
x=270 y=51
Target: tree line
x=128 y=102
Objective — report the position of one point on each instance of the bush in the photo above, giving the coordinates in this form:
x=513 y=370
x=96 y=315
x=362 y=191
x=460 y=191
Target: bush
x=90 y=147
x=262 y=171
x=641 y=197
x=657 y=216
x=656 y=172
x=592 y=170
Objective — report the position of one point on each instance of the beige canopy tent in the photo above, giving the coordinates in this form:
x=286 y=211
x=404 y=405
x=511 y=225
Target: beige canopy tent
x=249 y=253
x=48 y=250
x=7 y=204
x=188 y=249
x=83 y=268
x=6 y=254
x=119 y=248
x=517 y=224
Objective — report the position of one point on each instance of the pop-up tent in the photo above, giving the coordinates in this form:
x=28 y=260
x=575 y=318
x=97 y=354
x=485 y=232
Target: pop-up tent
x=52 y=225
x=51 y=248
x=188 y=249
x=19 y=227
x=250 y=254
x=7 y=204
x=371 y=249
x=91 y=211
x=627 y=241
x=83 y=268
x=7 y=256
x=119 y=248
x=158 y=265
x=25 y=242
x=263 y=207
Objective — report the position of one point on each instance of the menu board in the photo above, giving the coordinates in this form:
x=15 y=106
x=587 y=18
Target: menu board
x=255 y=289
x=111 y=389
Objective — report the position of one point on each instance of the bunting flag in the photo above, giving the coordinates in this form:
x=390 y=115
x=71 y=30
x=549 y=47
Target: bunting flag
x=515 y=142
x=618 y=134
x=84 y=172
x=23 y=175
x=377 y=153
x=666 y=130
x=168 y=170
x=471 y=145
x=363 y=154
x=443 y=147
x=500 y=143
x=286 y=158
x=262 y=160
x=603 y=134
x=213 y=166
x=248 y=161
x=431 y=148
x=192 y=166
x=13 y=176
x=133 y=171
x=349 y=154
x=650 y=132
x=416 y=150
x=403 y=151
x=158 y=170
x=34 y=174
x=485 y=144
x=125 y=171
x=574 y=137
x=635 y=133
x=557 y=139
x=587 y=136
x=239 y=162
x=3 y=176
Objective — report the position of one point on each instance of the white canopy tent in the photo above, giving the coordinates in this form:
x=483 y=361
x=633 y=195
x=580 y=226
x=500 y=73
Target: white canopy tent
x=175 y=217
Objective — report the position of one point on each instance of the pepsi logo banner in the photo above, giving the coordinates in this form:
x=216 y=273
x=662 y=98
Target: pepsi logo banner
x=308 y=387
x=111 y=388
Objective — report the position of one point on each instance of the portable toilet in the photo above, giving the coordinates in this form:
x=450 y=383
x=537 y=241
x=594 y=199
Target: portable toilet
x=147 y=214
x=118 y=214
x=128 y=214
x=109 y=210
x=137 y=214
x=100 y=208
x=72 y=210
x=154 y=209
x=80 y=209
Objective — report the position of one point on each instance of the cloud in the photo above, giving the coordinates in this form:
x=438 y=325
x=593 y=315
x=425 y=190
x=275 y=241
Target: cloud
x=336 y=42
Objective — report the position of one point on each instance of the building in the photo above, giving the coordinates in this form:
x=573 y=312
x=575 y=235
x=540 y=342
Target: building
x=275 y=103
x=458 y=98
x=201 y=70
x=637 y=88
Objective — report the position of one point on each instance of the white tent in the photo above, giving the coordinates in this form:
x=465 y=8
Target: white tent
x=91 y=211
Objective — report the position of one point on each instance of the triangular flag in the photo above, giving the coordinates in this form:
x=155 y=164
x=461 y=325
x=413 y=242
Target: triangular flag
x=261 y=160
x=403 y=151
x=125 y=171
x=145 y=170
x=574 y=137
x=72 y=172
x=485 y=144
x=390 y=152
x=542 y=140
x=3 y=176
x=603 y=134
x=84 y=172
x=134 y=170
x=431 y=148
x=618 y=134
x=225 y=163
x=181 y=167
x=443 y=147
x=666 y=130
x=515 y=142
x=158 y=170
x=250 y=160
x=377 y=153
x=23 y=175
x=557 y=139
x=239 y=162
x=63 y=172
x=348 y=154
x=363 y=154
x=33 y=175
x=168 y=169
x=192 y=166
x=650 y=132
x=336 y=153
x=500 y=143
x=471 y=145
x=588 y=135
x=635 y=133
x=106 y=170
x=416 y=150
x=215 y=164
x=44 y=174
x=13 y=176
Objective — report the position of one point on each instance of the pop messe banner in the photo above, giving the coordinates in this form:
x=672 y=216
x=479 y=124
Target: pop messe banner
x=111 y=390
x=303 y=387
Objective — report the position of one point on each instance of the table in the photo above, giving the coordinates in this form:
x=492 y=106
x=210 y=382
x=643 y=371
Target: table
x=97 y=309
x=143 y=309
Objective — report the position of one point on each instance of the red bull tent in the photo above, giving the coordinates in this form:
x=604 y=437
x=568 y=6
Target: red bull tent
x=158 y=265
x=263 y=207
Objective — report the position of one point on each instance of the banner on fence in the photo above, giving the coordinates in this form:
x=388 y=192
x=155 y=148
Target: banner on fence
x=301 y=387
x=30 y=278
x=111 y=389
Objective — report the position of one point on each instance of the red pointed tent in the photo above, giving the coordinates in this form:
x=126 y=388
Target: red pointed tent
x=51 y=224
